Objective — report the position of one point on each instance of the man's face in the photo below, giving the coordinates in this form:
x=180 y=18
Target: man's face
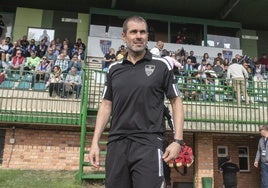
x=136 y=36
x=264 y=133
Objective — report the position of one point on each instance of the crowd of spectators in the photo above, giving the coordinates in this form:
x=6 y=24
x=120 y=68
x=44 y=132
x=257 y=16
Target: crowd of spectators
x=39 y=59
x=200 y=80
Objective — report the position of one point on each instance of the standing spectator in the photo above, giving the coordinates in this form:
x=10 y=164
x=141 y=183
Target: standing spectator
x=135 y=143
x=262 y=155
x=157 y=50
x=44 y=35
x=2 y=25
x=229 y=171
x=239 y=75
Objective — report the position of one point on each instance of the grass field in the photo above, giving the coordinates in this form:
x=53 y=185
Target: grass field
x=43 y=179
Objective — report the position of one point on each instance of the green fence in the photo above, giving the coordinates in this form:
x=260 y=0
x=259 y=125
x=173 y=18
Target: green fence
x=209 y=106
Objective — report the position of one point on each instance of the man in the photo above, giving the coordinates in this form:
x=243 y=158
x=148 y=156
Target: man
x=218 y=58
x=156 y=51
x=16 y=63
x=238 y=74
x=109 y=58
x=72 y=83
x=264 y=60
x=134 y=94
x=2 y=25
x=262 y=155
x=229 y=171
x=193 y=59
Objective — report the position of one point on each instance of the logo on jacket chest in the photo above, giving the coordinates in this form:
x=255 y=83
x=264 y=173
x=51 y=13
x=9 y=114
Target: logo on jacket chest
x=149 y=69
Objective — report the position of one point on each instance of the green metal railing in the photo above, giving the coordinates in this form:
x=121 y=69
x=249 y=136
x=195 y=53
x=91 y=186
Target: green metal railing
x=19 y=103
x=208 y=107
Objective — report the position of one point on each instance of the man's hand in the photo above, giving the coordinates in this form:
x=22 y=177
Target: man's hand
x=172 y=152
x=94 y=155
x=256 y=164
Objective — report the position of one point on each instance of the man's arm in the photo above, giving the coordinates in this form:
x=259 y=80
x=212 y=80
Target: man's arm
x=102 y=119
x=173 y=149
x=258 y=156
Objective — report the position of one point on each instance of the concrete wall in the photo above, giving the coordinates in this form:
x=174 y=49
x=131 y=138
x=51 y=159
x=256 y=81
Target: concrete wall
x=249 y=46
x=28 y=17
x=59 y=150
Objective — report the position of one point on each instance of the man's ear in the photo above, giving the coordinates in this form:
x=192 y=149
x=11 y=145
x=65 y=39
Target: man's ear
x=123 y=36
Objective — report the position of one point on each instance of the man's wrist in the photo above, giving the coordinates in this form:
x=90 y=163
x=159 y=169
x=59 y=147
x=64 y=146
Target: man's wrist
x=179 y=141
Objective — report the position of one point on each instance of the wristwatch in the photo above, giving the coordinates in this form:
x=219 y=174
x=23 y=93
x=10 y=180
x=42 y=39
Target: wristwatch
x=181 y=142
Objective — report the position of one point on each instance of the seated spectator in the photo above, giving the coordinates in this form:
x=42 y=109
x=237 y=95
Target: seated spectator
x=81 y=44
x=67 y=52
x=62 y=62
x=72 y=83
x=209 y=92
x=81 y=54
x=157 y=50
x=16 y=63
x=75 y=63
x=109 y=58
x=264 y=60
x=42 y=71
x=121 y=52
x=32 y=62
x=55 y=81
x=193 y=59
x=74 y=50
x=191 y=88
x=188 y=68
x=24 y=43
x=42 y=48
x=51 y=57
x=2 y=75
x=218 y=58
x=3 y=50
x=202 y=67
x=258 y=74
x=218 y=68
x=31 y=47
